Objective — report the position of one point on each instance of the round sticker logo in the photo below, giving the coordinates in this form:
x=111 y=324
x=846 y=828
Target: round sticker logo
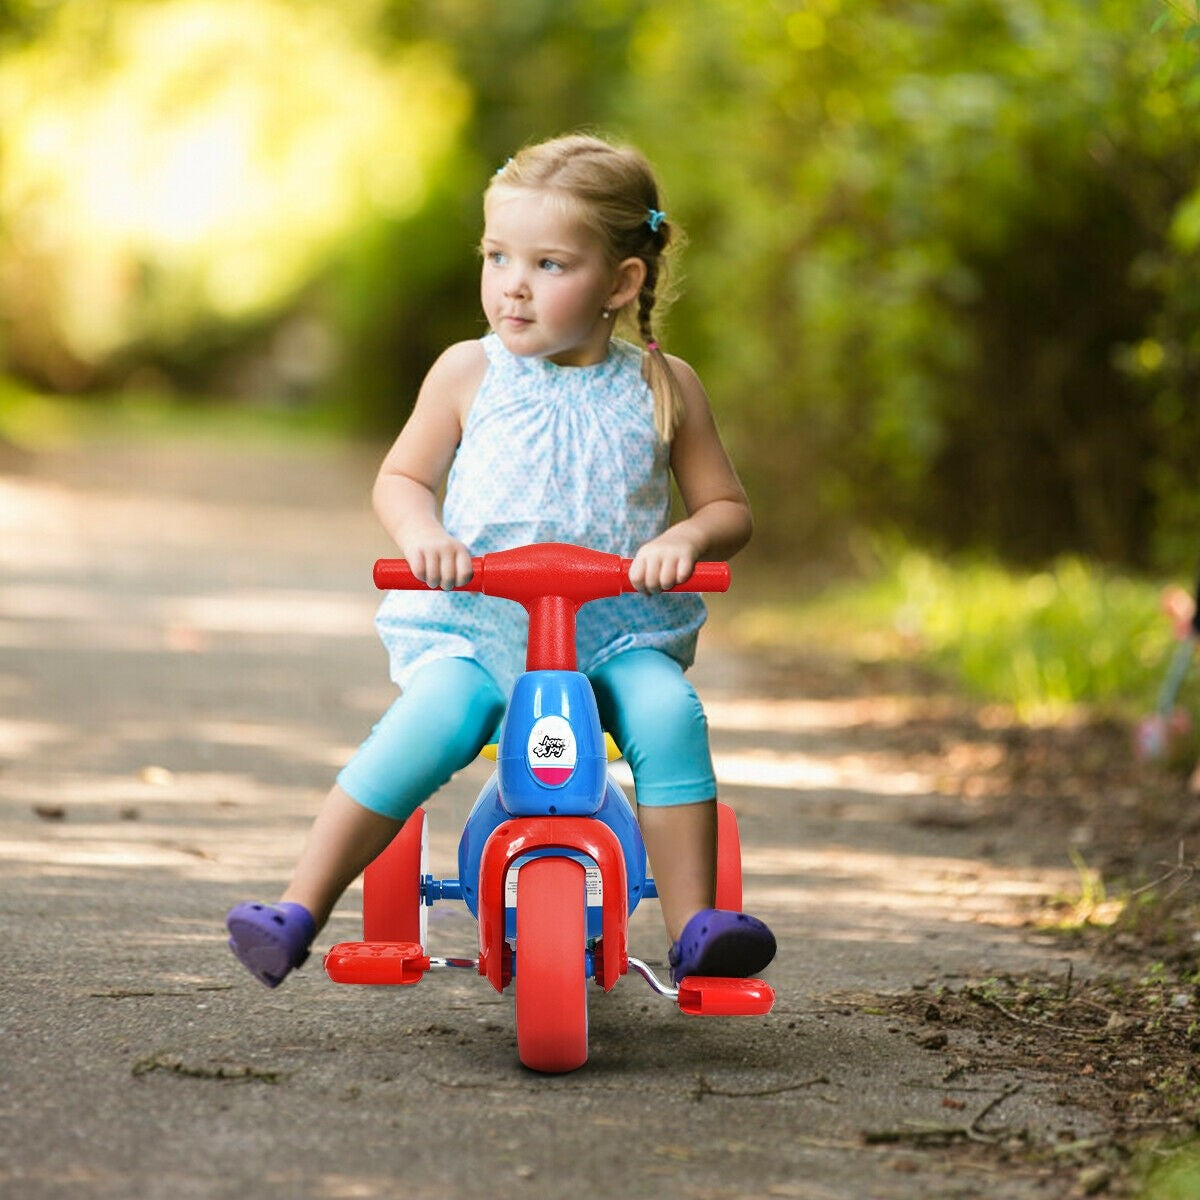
x=551 y=751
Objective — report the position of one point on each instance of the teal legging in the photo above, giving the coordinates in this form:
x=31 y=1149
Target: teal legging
x=452 y=707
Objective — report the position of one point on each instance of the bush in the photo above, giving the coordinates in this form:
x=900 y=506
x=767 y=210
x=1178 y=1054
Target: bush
x=1040 y=641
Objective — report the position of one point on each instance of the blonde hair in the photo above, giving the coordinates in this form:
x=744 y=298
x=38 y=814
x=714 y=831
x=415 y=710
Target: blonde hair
x=613 y=191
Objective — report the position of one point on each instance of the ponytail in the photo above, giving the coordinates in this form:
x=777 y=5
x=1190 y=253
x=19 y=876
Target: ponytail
x=656 y=370
x=664 y=386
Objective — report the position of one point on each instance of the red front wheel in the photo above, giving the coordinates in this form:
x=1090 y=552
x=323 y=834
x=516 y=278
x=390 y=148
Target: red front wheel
x=551 y=984
x=393 y=910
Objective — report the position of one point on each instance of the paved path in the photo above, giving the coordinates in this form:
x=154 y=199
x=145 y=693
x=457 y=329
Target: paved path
x=186 y=656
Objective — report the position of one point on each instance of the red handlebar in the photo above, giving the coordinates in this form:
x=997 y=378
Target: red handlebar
x=551 y=581
x=551 y=568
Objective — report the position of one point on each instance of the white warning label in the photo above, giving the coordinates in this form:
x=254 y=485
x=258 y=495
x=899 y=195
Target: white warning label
x=593 y=885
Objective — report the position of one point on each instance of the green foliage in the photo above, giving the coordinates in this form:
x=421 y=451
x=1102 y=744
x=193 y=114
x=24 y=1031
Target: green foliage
x=920 y=260
x=944 y=264
x=1177 y=1178
x=168 y=188
x=1040 y=641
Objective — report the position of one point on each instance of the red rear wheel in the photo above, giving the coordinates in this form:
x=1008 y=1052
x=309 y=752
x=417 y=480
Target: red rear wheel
x=729 y=860
x=392 y=907
x=551 y=986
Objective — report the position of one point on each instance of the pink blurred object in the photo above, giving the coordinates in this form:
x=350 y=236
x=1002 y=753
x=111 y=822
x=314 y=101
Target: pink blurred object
x=1180 y=609
x=1160 y=737
x=1164 y=735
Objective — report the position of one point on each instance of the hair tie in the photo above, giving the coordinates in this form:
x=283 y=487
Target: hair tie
x=651 y=347
x=655 y=219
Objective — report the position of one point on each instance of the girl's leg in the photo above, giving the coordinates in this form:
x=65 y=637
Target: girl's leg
x=344 y=840
x=681 y=843
x=657 y=719
x=437 y=726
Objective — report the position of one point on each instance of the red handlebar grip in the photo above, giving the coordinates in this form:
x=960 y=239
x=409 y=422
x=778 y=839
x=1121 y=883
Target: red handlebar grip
x=705 y=577
x=394 y=574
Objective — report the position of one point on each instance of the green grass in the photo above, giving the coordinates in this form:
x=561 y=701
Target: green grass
x=1043 y=642
x=1176 y=1178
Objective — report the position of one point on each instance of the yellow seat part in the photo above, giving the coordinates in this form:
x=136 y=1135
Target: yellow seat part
x=492 y=749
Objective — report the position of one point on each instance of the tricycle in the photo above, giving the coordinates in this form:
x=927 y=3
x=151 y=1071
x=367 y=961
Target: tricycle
x=551 y=860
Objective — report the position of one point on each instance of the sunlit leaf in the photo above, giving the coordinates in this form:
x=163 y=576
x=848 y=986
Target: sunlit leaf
x=207 y=161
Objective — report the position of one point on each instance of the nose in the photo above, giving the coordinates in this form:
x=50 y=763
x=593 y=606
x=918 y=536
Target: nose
x=516 y=282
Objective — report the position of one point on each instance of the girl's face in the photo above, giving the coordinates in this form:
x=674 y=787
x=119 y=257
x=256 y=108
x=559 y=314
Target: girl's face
x=546 y=281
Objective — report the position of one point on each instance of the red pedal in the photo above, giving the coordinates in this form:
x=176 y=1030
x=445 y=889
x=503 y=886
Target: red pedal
x=704 y=996
x=376 y=962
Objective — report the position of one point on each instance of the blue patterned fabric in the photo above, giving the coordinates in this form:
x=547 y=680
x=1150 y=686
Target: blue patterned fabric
x=549 y=454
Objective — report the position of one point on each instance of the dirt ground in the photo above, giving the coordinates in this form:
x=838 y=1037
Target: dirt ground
x=187 y=656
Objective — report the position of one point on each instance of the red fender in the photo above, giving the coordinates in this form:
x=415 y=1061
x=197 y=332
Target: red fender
x=520 y=836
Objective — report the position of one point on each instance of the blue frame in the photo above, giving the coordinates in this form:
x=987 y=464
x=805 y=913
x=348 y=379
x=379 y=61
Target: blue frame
x=551 y=718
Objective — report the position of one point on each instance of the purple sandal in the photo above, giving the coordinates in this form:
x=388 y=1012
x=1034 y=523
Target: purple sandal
x=270 y=940
x=717 y=942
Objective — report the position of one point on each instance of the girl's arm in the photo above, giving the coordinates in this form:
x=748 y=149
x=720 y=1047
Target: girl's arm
x=406 y=488
x=718 y=522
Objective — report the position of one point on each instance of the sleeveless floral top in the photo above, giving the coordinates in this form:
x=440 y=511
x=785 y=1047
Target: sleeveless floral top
x=549 y=454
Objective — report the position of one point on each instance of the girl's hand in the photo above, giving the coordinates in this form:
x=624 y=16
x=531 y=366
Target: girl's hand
x=439 y=560
x=662 y=564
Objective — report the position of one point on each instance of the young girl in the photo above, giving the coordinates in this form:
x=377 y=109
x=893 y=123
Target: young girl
x=547 y=430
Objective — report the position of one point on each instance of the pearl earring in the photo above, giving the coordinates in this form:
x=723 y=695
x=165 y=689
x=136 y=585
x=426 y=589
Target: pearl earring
x=606 y=312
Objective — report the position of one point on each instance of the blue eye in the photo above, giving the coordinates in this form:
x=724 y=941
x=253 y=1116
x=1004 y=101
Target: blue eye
x=496 y=257
x=549 y=264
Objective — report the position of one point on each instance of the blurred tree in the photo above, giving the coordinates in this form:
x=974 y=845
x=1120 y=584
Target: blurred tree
x=930 y=252
x=943 y=261
x=177 y=174
x=1167 y=361
x=24 y=20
